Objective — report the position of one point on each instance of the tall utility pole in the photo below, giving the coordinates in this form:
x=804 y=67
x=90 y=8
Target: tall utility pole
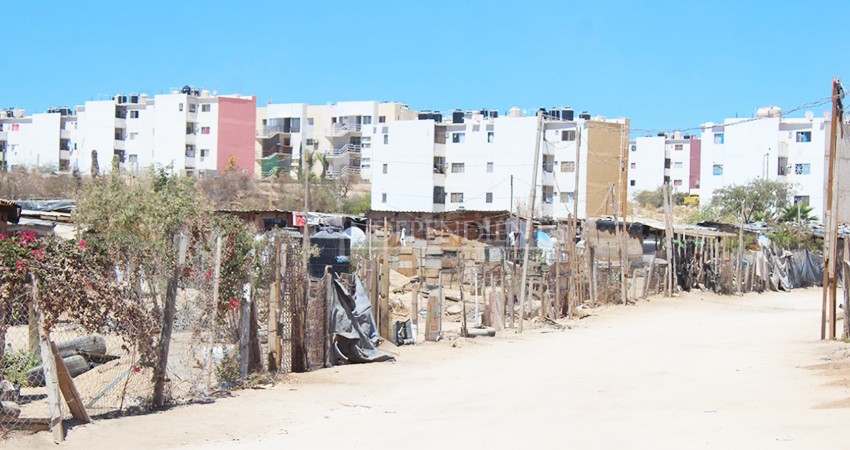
x=528 y=225
x=830 y=245
x=622 y=205
x=573 y=230
x=670 y=276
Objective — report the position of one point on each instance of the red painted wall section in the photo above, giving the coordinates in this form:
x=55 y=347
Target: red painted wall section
x=695 y=155
x=237 y=120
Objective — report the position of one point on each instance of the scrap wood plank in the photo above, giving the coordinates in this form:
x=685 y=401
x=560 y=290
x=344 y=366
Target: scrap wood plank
x=68 y=388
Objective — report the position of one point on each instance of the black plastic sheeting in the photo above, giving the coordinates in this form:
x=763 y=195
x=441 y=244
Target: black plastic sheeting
x=352 y=327
x=805 y=269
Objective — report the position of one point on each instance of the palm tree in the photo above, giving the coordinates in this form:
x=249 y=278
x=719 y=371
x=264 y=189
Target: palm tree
x=800 y=212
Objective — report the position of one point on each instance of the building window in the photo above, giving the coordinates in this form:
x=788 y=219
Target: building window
x=678 y=165
x=634 y=147
x=205 y=130
x=567 y=197
x=382 y=119
x=204 y=153
x=458 y=138
x=133 y=136
x=678 y=147
x=180 y=107
x=309 y=142
x=16 y=127
x=439 y=195
x=631 y=182
x=633 y=166
x=488 y=197
x=782 y=166
x=677 y=182
x=205 y=107
x=457 y=197
x=367 y=120
x=802 y=169
x=192 y=107
x=717 y=169
x=384 y=196
x=310 y=121
x=190 y=151
x=489 y=167
x=491 y=136
x=134 y=114
x=385 y=168
x=386 y=139
x=804 y=136
x=568 y=135
x=718 y=138
x=568 y=166
x=458 y=167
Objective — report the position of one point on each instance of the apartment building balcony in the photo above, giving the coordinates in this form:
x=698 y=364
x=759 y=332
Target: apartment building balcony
x=64 y=154
x=3 y=136
x=120 y=144
x=270 y=131
x=342 y=129
x=344 y=151
x=547 y=178
x=64 y=164
x=547 y=208
x=120 y=122
x=338 y=172
x=191 y=139
x=64 y=134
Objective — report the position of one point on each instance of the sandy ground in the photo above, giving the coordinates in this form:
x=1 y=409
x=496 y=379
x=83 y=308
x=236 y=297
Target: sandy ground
x=698 y=370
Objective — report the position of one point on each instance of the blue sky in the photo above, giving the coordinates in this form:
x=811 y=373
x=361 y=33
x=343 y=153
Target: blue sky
x=665 y=64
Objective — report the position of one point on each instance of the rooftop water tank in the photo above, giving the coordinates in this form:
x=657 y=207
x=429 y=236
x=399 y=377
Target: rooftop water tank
x=515 y=112
x=584 y=115
x=567 y=114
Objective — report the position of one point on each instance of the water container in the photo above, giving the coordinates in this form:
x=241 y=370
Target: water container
x=457 y=117
x=567 y=114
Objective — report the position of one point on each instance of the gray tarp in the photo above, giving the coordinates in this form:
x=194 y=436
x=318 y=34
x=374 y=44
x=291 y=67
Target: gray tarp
x=805 y=269
x=352 y=327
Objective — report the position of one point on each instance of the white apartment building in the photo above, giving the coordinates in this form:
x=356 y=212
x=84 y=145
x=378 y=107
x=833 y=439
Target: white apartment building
x=672 y=158
x=480 y=161
x=40 y=140
x=342 y=132
x=769 y=147
x=188 y=132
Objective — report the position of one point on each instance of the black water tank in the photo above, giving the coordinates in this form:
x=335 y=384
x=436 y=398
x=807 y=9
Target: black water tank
x=494 y=113
x=584 y=115
x=555 y=113
x=484 y=113
x=438 y=117
x=334 y=250
x=457 y=117
x=567 y=114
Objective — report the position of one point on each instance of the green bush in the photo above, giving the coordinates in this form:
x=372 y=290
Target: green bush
x=15 y=365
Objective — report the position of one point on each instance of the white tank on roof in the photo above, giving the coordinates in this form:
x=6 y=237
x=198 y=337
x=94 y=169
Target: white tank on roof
x=515 y=112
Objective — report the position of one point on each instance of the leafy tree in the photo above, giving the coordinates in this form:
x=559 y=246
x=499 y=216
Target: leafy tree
x=757 y=200
x=655 y=197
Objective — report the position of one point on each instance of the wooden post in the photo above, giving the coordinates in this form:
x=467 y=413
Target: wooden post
x=528 y=223
x=51 y=381
x=244 y=331
x=668 y=220
x=557 y=306
x=464 y=331
x=740 y=249
x=213 y=312
x=831 y=223
x=68 y=388
x=329 y=295
x=594 y=278
x=161 y=369
x=273 y=312
x=846 y=267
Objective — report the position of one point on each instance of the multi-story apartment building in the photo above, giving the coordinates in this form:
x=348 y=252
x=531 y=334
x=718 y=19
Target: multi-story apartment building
x=661 y=159
x=188 y=132
x=39 y=140
x=769 y=146
x=342 y=132
x=483 y=161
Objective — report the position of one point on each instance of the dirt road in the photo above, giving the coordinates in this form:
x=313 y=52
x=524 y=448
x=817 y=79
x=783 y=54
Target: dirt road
x=695 y=371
